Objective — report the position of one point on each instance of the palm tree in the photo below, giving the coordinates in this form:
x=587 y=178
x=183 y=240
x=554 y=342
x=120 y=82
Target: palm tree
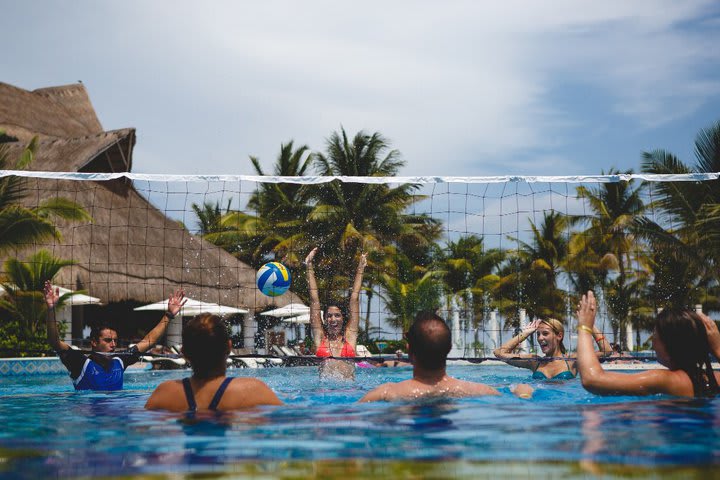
x=406 y=292
x=275 y=214
x=23 y=307
x=347 y=217
x=616 y=209
x=688 y=231
x=469 y=276
x=21 y=226
x=210 y=216
x=529 y=280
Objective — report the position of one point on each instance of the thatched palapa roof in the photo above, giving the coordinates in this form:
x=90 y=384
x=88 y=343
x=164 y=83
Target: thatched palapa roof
x=131 y=250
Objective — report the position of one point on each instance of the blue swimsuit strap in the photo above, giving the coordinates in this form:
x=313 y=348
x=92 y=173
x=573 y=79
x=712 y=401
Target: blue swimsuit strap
x=220 y=391
x=566 y=364
x=192 y=406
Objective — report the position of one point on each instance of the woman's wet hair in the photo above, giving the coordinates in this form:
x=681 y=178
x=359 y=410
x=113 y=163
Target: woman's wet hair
x=205 y=345
x=429 y=341
x=343 y=311
x=683 y=334
x=557 y=327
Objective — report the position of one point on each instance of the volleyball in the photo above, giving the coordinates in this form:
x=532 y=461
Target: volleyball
x=273 y=279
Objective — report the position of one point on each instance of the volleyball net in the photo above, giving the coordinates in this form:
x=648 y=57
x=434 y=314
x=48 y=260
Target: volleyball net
x=489 y=253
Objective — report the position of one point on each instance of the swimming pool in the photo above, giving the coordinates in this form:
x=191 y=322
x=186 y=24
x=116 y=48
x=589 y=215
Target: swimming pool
x=50 y=431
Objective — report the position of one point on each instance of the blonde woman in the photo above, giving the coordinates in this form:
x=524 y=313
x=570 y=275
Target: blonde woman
x=556 y=363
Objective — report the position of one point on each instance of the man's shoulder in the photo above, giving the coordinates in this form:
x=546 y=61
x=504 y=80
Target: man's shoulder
x=465 y=387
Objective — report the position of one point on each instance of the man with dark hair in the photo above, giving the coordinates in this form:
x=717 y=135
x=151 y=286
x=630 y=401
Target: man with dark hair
x=429 y=343
x=103 y=369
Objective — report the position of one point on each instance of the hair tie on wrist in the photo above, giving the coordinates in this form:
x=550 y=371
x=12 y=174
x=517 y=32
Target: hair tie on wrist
x=169 y=314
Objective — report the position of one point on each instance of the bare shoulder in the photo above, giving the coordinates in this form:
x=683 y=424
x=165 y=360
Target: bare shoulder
x=381 y=393
x=248 y=392
x=474 y=389
x=168 y=396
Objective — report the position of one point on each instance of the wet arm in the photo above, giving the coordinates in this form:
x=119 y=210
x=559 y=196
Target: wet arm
x=351 y=331
x=315 y=319
x=376 y=395
x=52 y=295
x=598 y=381
x=505 y=351
x=175 y=303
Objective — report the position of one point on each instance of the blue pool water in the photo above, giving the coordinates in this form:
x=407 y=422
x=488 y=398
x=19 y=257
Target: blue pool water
x=49 y=431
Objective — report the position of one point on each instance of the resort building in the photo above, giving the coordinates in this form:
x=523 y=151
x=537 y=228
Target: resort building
x=131 y=253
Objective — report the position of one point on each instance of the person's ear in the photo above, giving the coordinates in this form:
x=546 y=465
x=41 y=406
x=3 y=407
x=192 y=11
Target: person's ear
x=229 y=347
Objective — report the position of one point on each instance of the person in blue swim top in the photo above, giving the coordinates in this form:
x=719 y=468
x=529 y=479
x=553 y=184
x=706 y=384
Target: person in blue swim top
x=104 y=368
x=206 y=345
x=556 y=363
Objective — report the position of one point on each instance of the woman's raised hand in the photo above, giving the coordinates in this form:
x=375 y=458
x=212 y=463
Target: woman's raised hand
x=52 y=295
x=311 y=255
x=586 y=310
x=530 y=328
x=713 y=335
x=176 y=302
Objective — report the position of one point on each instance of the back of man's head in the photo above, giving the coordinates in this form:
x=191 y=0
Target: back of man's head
x=429 y=341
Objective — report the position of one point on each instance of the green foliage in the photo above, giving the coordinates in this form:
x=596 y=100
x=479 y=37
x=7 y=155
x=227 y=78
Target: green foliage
x=21 y=225
x=22 y=307
x=636 y=263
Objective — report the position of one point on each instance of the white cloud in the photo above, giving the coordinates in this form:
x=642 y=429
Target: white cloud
x=467 y=87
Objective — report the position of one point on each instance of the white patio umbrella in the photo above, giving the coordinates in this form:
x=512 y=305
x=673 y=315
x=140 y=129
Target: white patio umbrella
x=79 y=298
x=194 y=307
x=289 y=310
x=303 y=319
x=191 y=308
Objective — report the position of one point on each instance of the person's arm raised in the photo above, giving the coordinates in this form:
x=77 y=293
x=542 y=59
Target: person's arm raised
x=315 y=317
x=594 y=378
x=521 y=360
x=351 y=330
x=713 y=334
x=52 y=296
x=604 y=347
x=175 y=303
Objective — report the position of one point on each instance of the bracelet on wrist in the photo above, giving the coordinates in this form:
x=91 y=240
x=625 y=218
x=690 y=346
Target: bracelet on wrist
x=169 y=314
x=585 y=328
x=600 y=338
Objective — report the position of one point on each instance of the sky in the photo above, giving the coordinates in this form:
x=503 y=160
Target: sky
x=460 y=88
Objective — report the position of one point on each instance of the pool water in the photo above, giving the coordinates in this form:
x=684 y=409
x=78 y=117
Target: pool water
x=50 y=431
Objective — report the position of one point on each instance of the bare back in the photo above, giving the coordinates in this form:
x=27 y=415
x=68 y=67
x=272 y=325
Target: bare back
x=241 y=393
x=414 y=389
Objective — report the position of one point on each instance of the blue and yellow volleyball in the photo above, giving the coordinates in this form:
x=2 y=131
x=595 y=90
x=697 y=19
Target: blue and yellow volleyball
x=273 y=279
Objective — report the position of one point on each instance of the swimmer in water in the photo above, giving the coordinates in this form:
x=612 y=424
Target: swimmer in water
x=682 y=340
x=556 y=364
x=103 y=369
x=428 y=345
x=336 y=338
x=206 y=346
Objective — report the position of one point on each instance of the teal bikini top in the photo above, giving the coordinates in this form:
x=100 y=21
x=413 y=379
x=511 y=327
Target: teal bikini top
x=566 y=375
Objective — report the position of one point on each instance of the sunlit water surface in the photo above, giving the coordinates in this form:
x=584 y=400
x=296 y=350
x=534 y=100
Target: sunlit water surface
x=50 y=431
